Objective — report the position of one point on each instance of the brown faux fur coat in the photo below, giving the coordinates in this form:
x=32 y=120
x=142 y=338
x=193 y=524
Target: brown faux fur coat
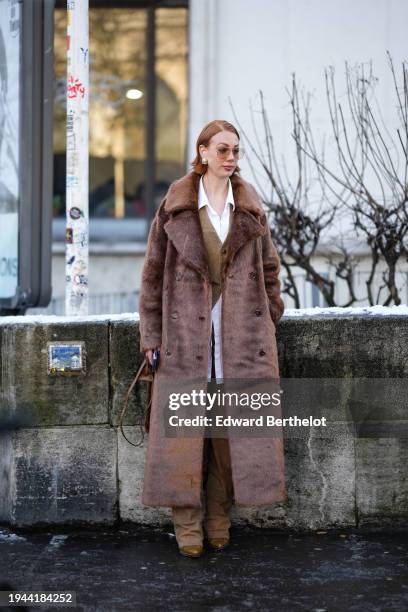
x=175 y=314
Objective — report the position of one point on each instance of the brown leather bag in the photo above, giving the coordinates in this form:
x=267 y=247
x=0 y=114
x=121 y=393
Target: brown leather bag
x=144 y=373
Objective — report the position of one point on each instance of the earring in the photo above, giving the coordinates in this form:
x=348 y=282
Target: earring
x=205 y=161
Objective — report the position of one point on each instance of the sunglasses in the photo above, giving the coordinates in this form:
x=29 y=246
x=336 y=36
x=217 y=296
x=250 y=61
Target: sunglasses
x=223 y=152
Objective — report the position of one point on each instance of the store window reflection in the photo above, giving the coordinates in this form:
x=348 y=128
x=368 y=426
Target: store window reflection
x=117 y=120
x=171 y=97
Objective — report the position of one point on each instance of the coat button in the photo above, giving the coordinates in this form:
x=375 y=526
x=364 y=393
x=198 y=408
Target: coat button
x=179 y=276
x=202 y=318
x=262 y=352
x=199 y=357
x=258 y=313
x=174 y=315
x=231 y=275
x=253 y=275
x=168 y=352
x=224 y=251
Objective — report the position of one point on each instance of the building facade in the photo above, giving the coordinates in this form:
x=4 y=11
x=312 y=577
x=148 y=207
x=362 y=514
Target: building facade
x=160 y=70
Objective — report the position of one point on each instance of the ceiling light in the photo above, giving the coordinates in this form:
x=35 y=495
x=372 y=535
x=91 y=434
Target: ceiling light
x=134 y=94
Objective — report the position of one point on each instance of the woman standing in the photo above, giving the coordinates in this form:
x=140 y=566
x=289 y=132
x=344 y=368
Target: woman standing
x=210 y=299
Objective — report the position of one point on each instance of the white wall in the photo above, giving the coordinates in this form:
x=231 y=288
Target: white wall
x=112 y=270
x=238 y=47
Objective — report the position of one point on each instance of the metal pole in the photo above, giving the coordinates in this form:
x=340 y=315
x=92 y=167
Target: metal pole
x=77 y=172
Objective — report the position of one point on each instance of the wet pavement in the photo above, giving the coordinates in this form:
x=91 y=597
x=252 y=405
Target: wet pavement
x=129 y=568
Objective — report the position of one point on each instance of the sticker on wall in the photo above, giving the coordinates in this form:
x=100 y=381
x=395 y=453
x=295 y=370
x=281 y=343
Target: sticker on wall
x=69 y=235
x=66 y=358
x=80 y=279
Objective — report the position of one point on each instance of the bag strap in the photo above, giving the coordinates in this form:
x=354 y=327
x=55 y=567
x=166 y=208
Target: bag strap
x=142 y=376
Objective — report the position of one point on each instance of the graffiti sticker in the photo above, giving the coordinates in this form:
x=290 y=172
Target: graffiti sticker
x=69 y=235
x=75 y=212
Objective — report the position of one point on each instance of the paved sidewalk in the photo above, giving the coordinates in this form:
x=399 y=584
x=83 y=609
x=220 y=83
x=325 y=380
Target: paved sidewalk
x=129 y=568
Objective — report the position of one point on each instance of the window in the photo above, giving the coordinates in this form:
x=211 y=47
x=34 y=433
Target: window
x=317 y=298
x=137 y=113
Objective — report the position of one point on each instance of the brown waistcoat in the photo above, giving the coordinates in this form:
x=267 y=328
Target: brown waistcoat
x=214 y=248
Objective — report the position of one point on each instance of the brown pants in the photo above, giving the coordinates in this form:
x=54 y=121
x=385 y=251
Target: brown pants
x=216 y=497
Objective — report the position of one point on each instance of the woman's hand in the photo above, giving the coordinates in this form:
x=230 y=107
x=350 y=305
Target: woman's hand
x=149 y=356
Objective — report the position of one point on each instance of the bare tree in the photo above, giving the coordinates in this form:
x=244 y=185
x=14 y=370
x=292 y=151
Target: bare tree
x=367 y=184
x=299 y=220
x=370 y=178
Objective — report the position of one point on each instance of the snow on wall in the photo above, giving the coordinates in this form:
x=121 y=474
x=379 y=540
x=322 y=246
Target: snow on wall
x=401 y=310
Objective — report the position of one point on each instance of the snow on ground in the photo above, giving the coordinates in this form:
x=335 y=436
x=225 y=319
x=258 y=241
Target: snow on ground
x=57 y=541
x=289 y=312
x=6 y=536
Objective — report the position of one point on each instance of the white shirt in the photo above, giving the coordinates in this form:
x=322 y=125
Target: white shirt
x=221 y=225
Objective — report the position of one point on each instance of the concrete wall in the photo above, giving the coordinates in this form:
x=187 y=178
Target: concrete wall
x=69 y=463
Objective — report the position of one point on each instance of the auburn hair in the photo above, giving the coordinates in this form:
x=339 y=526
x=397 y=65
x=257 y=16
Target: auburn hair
x=208 y=131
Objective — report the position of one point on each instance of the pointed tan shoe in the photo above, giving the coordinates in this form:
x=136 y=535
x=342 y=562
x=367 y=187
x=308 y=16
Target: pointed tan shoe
x=218 y=543
x=195 y=550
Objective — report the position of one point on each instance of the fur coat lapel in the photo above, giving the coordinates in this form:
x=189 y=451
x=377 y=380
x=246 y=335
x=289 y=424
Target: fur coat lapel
x=184 y=228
